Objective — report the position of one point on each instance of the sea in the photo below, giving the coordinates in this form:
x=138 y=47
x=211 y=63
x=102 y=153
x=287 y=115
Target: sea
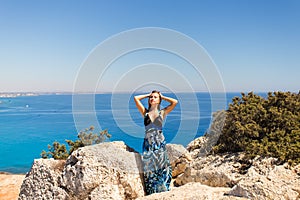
x=28 y=124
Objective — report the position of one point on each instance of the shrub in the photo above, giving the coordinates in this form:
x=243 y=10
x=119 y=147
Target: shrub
x=57 y=151
x=85 y=138
x=269 y=127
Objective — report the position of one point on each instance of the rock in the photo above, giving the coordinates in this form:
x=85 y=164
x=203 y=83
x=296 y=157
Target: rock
x=193 y=191
x=296 y=169
x=104 y=171
x=112 y=170
x=202 y=146
x=194 y=147
x=179 y=158
x=261 y=178
x=212 y=170
x=42 y=182
x=265 y=180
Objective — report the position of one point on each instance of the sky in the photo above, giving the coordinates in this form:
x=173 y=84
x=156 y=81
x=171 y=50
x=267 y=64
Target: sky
x=254 y=44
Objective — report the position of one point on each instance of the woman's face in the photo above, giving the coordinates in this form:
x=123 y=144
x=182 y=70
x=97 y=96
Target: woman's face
x=154 y=98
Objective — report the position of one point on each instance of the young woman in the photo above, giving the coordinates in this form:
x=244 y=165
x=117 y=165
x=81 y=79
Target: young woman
x=156 y=164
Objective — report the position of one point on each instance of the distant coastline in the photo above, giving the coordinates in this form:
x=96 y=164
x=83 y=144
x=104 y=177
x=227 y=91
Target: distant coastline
x=24 y=94
x=16 y=94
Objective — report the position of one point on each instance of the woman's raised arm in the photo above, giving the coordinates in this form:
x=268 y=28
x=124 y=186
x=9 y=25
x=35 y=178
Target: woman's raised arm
x=169 y=108
x=138 y=103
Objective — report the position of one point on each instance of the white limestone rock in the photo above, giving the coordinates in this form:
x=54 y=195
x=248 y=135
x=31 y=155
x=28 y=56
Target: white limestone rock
x=42 y=181
x=109 y=170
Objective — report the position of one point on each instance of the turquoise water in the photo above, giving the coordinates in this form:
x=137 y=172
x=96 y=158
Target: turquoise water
x=29 y=123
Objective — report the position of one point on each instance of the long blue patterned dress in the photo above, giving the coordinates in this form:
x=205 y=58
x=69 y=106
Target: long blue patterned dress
x=156 y=164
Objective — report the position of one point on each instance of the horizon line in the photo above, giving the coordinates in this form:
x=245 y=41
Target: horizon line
x=109 y=92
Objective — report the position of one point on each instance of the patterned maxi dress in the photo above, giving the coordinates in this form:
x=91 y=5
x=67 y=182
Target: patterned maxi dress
x=156 y=164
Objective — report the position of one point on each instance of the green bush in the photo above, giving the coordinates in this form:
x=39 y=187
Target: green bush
x=85 y=138
x=269 y=127
x=57 y=151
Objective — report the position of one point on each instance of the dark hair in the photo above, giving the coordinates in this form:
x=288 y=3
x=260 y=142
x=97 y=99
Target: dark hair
x=155 y=91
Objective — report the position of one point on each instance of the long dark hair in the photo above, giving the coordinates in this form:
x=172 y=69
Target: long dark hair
x=154 y=91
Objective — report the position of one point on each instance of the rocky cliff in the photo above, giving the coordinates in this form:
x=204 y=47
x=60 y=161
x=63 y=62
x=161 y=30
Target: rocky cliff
x=113 y=171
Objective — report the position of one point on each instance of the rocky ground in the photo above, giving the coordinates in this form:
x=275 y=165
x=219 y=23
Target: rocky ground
x=113 y=171
x=10 y=185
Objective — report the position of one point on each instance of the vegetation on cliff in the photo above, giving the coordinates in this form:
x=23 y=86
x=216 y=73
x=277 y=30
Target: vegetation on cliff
x=268 y=127
x=85 y=138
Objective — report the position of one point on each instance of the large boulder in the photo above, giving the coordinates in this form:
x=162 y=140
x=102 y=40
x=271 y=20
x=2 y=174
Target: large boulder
x=103 y=171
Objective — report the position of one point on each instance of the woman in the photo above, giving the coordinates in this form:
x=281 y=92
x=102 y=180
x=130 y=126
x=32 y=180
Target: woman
x=157 y=168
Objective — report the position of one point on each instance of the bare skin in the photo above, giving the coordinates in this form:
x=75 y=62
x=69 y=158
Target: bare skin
x=154 y=102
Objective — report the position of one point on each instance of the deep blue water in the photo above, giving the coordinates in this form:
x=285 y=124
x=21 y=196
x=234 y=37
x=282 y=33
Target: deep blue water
x=29 y=123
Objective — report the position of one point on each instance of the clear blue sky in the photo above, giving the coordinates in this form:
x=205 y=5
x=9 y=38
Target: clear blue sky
x=254 y=43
